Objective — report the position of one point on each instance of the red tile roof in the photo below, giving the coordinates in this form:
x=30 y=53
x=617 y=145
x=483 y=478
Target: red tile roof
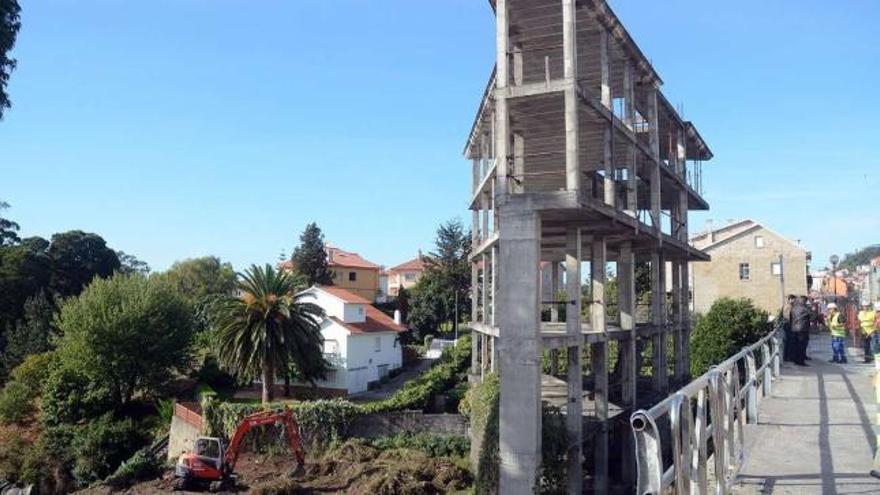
x=415 y=264
x=340 y=258
x=343 y=294
x=348 y=259
x=376 y=322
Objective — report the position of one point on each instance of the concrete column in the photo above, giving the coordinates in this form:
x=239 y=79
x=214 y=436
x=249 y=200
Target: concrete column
x=654 y=129
x=658 y=313
x=519 y=350
x=599 y=363
x=629 y=95
x=493 y=289
x=484 y=261
x=607 y=159
x=677 y=305
x=518 y=181
x=485 y=203
x=569 y=56
x=604 y=70
x=484 y=355
x=493 y=367
x=475 y=354
x=680 y=153
x=627 y=303
x=686 y=319
x=574 y=406
x=502 y=114
x=517 y=64
x=554 y=313
x=632 y=175
x=629 y=372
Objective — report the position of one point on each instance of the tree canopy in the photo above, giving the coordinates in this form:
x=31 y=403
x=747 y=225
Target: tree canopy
x=10 y=23
x=310 y=257
x=861 y=257
x=128 y=332
x=445 y=282
x=8 y=228
x=76 y=258
x=198 y=278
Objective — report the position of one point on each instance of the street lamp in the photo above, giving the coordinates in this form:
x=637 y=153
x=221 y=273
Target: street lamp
x=834 y=260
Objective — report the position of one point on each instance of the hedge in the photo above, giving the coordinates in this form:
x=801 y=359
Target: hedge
x=730 y=325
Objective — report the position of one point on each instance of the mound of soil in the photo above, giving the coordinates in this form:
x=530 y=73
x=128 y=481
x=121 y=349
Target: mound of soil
x=352 y=468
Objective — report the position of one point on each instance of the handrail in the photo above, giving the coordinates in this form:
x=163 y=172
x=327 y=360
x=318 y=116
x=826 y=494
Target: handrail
x=714 y=406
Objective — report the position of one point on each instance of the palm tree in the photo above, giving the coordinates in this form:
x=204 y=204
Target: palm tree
x=268 y=328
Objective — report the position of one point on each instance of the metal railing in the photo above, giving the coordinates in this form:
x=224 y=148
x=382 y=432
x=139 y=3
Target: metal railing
x=712 y=408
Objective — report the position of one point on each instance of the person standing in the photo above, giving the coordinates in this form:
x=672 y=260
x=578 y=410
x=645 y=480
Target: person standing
x=786 y=327
x=800 y=328
x=869 y=338
x=838 y=334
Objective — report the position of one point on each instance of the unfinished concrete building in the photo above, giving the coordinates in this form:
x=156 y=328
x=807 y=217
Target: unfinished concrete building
x=578 y=160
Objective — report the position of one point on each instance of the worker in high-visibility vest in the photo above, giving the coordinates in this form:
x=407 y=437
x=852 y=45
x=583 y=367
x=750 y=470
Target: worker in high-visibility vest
x=869 y=337
x=838 y=334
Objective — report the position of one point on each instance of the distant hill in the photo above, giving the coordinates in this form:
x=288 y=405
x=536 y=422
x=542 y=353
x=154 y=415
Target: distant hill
x=860 y=257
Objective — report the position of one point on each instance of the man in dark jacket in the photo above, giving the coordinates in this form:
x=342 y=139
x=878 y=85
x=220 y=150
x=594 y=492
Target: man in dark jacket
x=788 y=345
x=800 y=328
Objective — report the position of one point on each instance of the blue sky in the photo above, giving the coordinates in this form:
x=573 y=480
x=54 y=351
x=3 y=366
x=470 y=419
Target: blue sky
x=179 y=128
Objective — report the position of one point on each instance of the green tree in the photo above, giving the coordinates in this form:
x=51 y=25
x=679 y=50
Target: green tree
x=861 y=257
x=8 y=228
x=128 y=332
x=730 y=325
x=76 y=258
x=268 y=328
x=310 y=257
x=444 y=287
x=131 y=264
x=33 y=333
x=198 y=278
x=10 y=23
x=23 y=273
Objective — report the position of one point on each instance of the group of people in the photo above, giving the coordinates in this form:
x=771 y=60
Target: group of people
x=801 y=316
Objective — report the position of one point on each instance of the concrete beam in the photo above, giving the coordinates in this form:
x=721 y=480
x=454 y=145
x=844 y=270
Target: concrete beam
x=519 y=350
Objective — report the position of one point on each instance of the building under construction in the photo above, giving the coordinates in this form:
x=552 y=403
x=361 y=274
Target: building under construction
x=578 y=161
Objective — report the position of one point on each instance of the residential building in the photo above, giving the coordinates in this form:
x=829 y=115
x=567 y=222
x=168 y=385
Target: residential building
x=405 y=275
x=360 y=341
x=748 y=260
x=350 y=272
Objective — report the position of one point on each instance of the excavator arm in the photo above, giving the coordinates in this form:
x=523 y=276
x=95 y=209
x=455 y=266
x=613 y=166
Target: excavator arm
x=283 y=417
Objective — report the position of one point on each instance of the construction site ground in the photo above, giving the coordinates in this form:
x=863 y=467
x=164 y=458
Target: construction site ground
x=349 y=468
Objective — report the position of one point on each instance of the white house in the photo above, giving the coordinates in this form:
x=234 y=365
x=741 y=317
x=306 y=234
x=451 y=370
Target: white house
x=359 y=340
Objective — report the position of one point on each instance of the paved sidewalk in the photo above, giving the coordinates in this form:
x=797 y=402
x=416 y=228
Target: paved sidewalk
x=814 y=435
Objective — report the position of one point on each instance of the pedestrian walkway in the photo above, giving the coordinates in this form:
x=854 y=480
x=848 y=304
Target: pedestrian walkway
x=815 y=434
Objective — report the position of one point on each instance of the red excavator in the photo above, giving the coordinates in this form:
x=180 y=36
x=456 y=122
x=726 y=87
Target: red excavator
x=212 y=464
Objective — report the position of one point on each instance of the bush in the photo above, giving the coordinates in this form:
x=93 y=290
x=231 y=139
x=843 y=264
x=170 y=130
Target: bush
x=103 y=445
x=431 y=444
x=69 y=397
x=140 y=467
x=12 y=455
x=33 y=371
x=47 y=465
x=320 y=421
x=730 y=325
x=416 y=394
x=16 y=402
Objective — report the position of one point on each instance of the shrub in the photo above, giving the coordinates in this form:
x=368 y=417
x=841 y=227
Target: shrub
x=416 y=394
x=140 y=467
x=319 y=421
x=431 y=444
x=103 y=445
x=12 y=455
x=16 y=403
x=33 y=371
x=730 y=325
x=48 y=463
x=69 y=397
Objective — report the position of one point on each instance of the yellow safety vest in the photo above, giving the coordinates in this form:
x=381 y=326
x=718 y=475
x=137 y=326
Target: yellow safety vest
x=866 y=321
x=837 y=330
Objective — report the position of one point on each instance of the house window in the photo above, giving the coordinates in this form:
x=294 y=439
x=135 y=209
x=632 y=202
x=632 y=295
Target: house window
x=409 y=277
x=331 y=347
x=776 y=268
x=360 y=311
x=377 y=343
x=352 y=276
x=759 y=241
x=744 y=271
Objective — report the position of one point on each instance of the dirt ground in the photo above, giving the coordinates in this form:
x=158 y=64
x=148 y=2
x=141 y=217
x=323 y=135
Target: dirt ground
x=350 y=468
